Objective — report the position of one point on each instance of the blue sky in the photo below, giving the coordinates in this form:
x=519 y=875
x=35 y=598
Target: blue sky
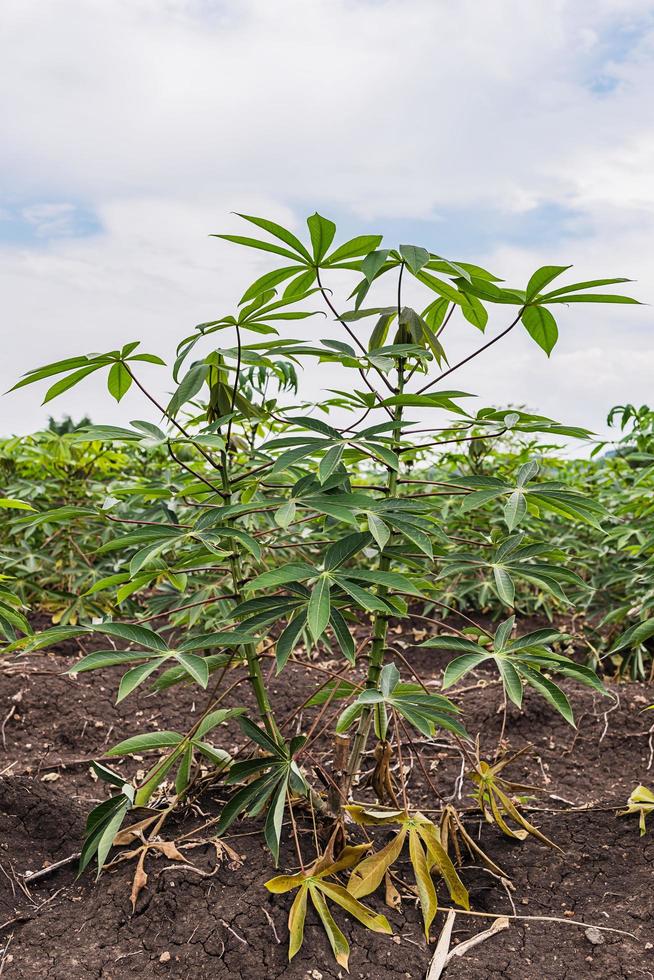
x=512 y=134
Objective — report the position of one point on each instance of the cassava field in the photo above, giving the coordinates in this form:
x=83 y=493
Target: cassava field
x=293 y=688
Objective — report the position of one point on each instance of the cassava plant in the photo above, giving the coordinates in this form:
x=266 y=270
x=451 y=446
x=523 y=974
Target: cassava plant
x=295 y=527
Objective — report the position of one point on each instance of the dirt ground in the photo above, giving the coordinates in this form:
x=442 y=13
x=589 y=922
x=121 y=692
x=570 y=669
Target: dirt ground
x=212 y=917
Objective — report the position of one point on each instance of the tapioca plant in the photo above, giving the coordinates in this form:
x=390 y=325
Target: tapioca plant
x=302 y=529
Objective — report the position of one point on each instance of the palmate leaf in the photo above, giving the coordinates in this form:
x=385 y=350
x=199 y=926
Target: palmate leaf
x=277 y=777
x=315 y=883
x=524 y=494
x=525 y=658
x=75 y=369
x=425 y=851
x=423 y=711
x=493 y=796
x=321 y=231
x=512 y=560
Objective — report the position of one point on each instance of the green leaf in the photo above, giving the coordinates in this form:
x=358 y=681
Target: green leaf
x=459 y=667
x=372 y=263
x=380 y=531
x=456 y=643
x=278 y=231
x=510 y=680
x=342 y=634
x=474 y=311
x=593 y=298
x=415 y=257
x=215 y=718
x=7 y=503
x=541 y=327
x=48 y=370
x=390 y=580
x=361 y=245
x=258 y=735
x=69 y=382
x=549 y=690
x=140 y=635
x=288 y=640
x=319 y=607
x=504 y=584
x=348 y=717
x=145 y=743
x=268 y=281
x=582 y=285
x=634 y=636
x=274 y=819
x=285 y=514
x=136 y=676
x=119 y=381
x=344 y=548
x=322 y=232
x=503 y=633
x=297 y=287
x=281 y=576
x=236 y=804
x=542 y=277
x=188 y=388
x=527 y=472
x=515 y=509
x=434 y=314
x=329 y=462
x=380 y=332
x=109 y=832
x=195 y=666
x=441 y=287
x=256 y=243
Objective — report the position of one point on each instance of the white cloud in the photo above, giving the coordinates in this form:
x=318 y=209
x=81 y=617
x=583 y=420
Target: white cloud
x=163 y=117
x=50 y=220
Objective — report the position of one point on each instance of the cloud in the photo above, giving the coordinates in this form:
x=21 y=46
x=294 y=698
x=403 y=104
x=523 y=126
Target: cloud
x=50 y=220
x=518 y=131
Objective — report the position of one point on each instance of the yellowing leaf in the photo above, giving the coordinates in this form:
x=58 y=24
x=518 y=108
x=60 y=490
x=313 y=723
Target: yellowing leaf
x=368 y=875
x=296 y=919
x=284 y=883
x=371 y=920
x=426 y=890
x=337 y=940
x=439 y=859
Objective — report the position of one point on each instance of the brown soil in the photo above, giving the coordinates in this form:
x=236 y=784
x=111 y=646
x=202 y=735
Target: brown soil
x=214 y=919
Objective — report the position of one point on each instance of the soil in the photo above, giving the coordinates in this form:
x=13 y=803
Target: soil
x=212 y=917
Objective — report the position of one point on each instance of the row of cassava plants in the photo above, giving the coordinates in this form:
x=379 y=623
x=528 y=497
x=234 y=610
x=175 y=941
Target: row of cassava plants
x=309 y=528
x=74 y=577
x=69 y=570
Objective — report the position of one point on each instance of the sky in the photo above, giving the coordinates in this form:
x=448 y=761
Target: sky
x=507 y=133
